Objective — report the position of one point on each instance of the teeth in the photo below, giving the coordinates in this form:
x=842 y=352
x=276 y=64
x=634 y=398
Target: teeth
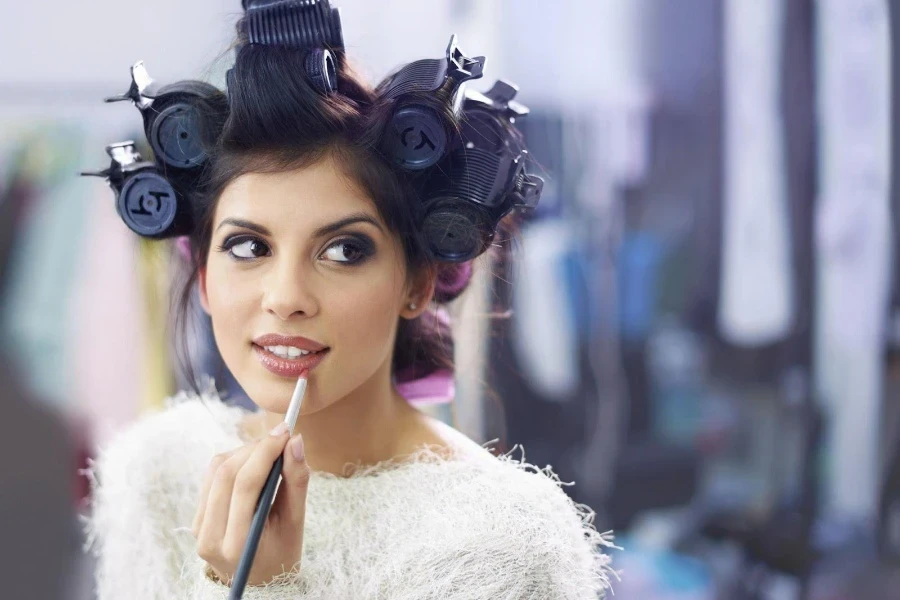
x=287 y=351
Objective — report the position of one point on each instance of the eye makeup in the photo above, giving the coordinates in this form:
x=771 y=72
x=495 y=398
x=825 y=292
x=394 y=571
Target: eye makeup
x=253 y=247
x=362 y=245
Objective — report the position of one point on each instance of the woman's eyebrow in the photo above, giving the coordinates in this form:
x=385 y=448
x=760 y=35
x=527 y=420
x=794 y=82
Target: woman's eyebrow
x=358 y=217
x=350 y=219
x=246 y=225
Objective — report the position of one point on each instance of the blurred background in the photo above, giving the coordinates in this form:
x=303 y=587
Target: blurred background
x=705 y=325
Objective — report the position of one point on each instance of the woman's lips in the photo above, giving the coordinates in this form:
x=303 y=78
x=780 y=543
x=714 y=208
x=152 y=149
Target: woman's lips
x=288 y=367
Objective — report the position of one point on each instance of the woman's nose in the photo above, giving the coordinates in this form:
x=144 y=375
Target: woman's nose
x=288 y=292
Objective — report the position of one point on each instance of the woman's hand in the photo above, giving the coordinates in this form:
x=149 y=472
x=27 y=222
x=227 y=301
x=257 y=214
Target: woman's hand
x=228 y=501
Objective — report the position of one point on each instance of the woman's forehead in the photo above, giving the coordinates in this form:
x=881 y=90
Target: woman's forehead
x=311 y=195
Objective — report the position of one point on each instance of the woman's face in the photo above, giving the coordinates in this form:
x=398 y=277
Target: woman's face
x=303 y=253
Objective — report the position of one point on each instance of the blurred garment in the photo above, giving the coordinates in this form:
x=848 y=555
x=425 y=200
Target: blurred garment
x=853 y=245
x=155 y=269
x=84 y=313
x=43 y=262
x=757 y=300
x=545 y=337
x=106 y=337
x=639 y=258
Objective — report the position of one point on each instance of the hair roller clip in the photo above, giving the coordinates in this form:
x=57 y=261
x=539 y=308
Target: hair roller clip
x=482 y=179
x=173 y=124
x=145 y=200
x=151 y=197
x=303 y=24
x=418 y=135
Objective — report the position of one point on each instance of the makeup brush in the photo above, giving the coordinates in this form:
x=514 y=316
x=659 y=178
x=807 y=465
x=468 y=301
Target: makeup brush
x=266 y=498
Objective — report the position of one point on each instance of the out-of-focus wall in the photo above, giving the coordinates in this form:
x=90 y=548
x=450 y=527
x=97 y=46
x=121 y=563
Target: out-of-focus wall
x=596 y=48
x=56 y=53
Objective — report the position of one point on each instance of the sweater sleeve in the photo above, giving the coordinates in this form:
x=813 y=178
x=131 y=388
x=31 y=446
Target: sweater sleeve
x=145 y=484
x=131 y=522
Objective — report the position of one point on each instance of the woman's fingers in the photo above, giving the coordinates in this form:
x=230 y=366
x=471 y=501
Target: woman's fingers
x=290 y=503
x=247 y=487
x=215 y=518
x=230 y=494
x=214 y=465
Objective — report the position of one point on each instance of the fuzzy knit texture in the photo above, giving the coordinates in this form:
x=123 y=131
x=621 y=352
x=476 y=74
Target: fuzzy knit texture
x=424 y=528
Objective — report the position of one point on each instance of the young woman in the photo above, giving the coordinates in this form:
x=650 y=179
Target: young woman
x=308 y=252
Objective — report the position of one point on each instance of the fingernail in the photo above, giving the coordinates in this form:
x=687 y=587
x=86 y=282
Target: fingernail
x=279 y=430
x=297 y=448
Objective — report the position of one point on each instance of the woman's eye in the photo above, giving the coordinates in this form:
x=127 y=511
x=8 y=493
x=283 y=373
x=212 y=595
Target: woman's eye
x=346 y=251
x=249 y=249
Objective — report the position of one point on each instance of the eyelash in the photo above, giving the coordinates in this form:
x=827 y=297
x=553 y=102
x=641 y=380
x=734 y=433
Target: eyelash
x=363 y=245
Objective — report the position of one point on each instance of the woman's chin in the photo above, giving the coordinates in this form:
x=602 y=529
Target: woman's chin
x=275 y=396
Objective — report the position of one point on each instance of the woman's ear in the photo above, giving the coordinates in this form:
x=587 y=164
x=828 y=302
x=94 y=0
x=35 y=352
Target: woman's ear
x=420 y=293
x=201 y=284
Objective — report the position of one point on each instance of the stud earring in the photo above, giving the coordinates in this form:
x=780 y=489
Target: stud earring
x=412 y=306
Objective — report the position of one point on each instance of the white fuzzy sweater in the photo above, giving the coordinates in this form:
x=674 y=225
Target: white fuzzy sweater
x=428 y=528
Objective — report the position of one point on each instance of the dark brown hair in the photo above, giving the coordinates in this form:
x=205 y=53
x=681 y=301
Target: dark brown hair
x=277 y=121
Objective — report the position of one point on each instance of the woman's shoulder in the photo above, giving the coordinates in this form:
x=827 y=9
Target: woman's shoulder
x=509 y=482
x=184 y=434
x=440 y=438
x=494 y=501
x=519 y=504
x=144 y=485
x=462 y=468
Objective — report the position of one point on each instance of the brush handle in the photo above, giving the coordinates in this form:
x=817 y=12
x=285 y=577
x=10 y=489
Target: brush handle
x=263 y=506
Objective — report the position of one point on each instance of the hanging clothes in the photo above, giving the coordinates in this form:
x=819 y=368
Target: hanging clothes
x=108 y=334
x=155 y=271
x=35 y=320
x=545 y=335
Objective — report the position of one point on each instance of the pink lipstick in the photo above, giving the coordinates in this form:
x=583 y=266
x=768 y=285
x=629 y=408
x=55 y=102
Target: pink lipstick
x=288 y=367
x=288 y=356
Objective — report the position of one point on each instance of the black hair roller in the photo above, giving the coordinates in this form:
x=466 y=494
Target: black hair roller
x=174 y=123
x=181 y=122
x=423 y=91
x=311 y=25
x=482 y=179
x=146 y=201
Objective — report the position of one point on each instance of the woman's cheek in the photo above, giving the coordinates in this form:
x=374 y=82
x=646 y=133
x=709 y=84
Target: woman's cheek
x=228 y=309
x=373 y=315
x=363 y=323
